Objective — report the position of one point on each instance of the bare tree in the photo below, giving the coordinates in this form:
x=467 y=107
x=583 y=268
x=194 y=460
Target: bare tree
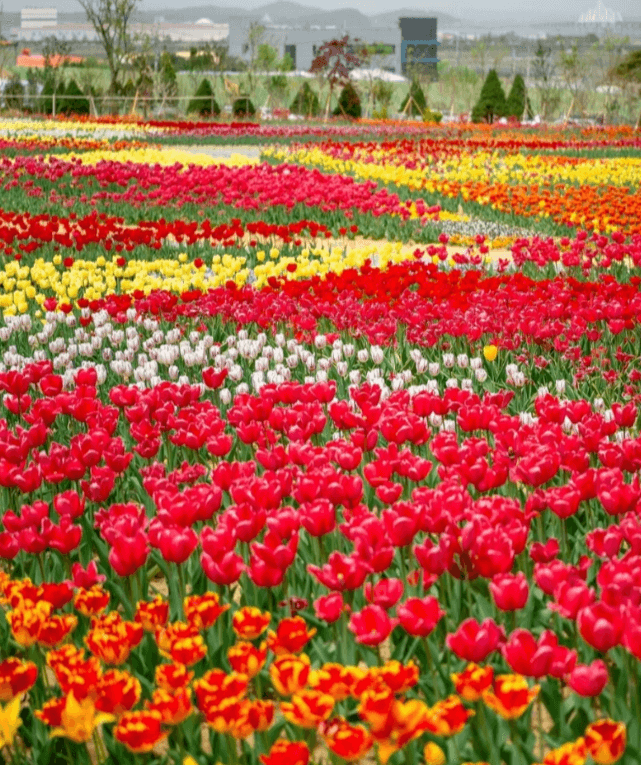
x=544 y=78
x=609 y=53
x=255 y=40
x=628 y=73
x=574 y=69
x=480 y=53
x=111 y=20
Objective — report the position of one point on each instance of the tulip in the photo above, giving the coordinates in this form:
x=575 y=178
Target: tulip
x=78 y=719
x=349 y=742
x=307 y=708
x=419 y=616
x=475 y=642
x=16 y=678
x=510 y=696
x=589 y=680
x=330 y=607
x=473 y=681
x=371 y=626
x=509 y=591
x=291 y=636
x=527 y=656
x=294 y=753
x=605 y=741
x=601 y=626
x=385 y=593
x=140 y=731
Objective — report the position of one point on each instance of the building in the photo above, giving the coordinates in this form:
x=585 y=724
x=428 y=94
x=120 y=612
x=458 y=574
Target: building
x=38 y=18
x=37 y=61
x=302 y=44
x=36 y=24
x=599 y=21
x=419 y=44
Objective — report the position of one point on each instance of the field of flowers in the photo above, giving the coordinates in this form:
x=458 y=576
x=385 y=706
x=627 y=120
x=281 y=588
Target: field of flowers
x=286 y=477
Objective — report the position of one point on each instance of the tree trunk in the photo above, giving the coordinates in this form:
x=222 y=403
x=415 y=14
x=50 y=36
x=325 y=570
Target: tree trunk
x=329 y=99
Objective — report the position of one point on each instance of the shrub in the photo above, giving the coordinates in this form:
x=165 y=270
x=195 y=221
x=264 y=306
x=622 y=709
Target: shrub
x=74 y=101
x=45 y=102
x=349 y=103
x=203 y=102
x=491 y=103
x=515 y=104
x=243 y=107
x=418 y=105
x=305 y=102
x=14 y=93
x=430 y=116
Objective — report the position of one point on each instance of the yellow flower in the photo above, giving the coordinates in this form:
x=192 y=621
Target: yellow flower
x=79 y=719
x=9 y=721
x=433 y=754
x=490 y=352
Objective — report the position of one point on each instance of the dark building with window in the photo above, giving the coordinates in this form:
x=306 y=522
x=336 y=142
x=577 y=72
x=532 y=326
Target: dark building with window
x=418 y=45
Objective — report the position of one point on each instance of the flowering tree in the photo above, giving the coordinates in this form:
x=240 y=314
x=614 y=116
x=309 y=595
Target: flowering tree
x=335 y=60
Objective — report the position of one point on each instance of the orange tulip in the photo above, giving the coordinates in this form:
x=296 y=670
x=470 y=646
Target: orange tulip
x=290 y=673
x=605 y=741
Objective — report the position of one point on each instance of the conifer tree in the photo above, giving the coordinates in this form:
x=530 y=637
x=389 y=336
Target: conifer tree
x=491 y=103
x=305 y=102
x=418 y=105
x=349 y=103
x=203 y=102
x=515 y=105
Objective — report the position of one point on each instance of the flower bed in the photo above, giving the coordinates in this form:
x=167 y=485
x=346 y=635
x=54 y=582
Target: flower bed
x=266 y=500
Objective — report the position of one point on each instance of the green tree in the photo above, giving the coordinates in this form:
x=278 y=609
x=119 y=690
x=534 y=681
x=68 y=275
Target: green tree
x=414 y=103
x=266 y=58
x=491 y=103
x=203 y=102
x=349 y=103
x=515 y=104
x=277 y=86
x=382 y=94
x=243 y=107
x=75 y=101
x=305 y=102
x=14 y=93
x=286 y=64
x=168 y=78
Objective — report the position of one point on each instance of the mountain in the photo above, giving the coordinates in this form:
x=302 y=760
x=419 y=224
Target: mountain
x=390 y=18
x=285 y=12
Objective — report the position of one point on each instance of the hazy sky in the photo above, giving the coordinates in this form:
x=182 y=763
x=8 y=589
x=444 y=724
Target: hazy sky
x=471 y=10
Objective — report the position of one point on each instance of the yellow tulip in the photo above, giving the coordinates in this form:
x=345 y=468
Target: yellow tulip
x=79 y=720
x=490 y=352
x=9 y=721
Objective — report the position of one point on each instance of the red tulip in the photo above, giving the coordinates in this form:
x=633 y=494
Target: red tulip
x=509 y=591
x=330 y=607
x=371 y=626
x=589 y=679
x=385 y=593
x=419 y=616
x=601 y=625
x=475 y=642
